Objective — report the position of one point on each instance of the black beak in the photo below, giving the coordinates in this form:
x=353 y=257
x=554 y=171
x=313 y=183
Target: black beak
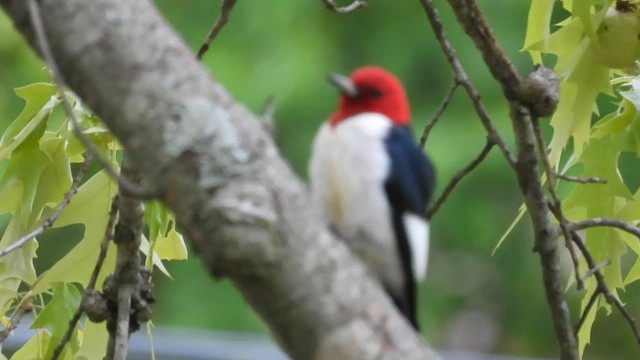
x=344 y=85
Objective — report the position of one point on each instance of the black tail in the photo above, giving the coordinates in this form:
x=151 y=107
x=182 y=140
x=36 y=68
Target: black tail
x=401 y=203
x=406 y=300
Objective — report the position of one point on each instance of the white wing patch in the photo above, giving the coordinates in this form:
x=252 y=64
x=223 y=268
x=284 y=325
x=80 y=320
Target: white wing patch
x=417 y=230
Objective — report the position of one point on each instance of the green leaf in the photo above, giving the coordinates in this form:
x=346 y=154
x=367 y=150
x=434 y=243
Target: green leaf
x=37 y=175
x=521 y=211
x=56 y=176
x=26 y=166
x=35 y=348
x=615 y=248
x=584 y=79
x=56 y=315
x=600 y=159
x=165 y=240
x=16 y=266
x=94 y=342
x=584 y=335
x=583 y=11
x=634 y=273
x=577 y=102
x=615 y=122
x=145 y=247
x=171 y=246
x=36 y=96
x=11 y=191
x=40 y=101
x=538 y=24
x=89 y=207
x=629 y=213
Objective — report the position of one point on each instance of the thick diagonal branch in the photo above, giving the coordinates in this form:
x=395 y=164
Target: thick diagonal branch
x=249 y=217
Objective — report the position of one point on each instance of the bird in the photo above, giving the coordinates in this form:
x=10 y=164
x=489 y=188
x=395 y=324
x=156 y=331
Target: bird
x=373 y=182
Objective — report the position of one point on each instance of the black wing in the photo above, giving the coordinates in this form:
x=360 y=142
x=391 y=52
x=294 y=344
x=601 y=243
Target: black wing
x=409 y=188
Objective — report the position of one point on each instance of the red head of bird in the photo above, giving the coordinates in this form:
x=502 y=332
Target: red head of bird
x=370 y=89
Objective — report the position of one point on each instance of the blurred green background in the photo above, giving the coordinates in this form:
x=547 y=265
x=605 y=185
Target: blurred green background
x=471 y=300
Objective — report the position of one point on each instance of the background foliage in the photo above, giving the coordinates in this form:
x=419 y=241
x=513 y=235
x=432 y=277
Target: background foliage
x=471 y=299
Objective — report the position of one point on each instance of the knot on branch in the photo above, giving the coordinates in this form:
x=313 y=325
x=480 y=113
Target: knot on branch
x=94 y=304
x=104 y=306
x=540 y=91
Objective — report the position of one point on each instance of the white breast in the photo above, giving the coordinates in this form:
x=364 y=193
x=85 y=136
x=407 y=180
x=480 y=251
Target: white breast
x=348 y=168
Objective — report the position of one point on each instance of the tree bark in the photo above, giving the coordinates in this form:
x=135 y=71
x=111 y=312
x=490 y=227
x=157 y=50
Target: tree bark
x=209 y=159
x=524 y=115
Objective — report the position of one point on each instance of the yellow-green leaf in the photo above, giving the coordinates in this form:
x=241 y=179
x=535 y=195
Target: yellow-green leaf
x=584 y=335
x=94 y=342
x=35 y=348
x=538 y=24
x=165 y=240
x=40 y=101
x=89 y=207
x=56 y=315
x=17 y=266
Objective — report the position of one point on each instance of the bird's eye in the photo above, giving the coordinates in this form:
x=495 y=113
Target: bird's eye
x=374 y=93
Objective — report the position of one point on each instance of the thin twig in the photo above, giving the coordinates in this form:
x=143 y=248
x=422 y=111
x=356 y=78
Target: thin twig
x=56 y=76
x=587 y=309
x=556 y=207
x=104 y=246
x=525 y=166
x=51 y=219
x=581 y=180
x=438 y=113
x=13 y=323
x=602 y=284
x=612 y=300
x=592 y=271
x=331 y=5
x=523 y=119
x=601 y=287
x=267 y=115
x=463 y=79
x=605 y=222
x=457 y=177
x=225 y=11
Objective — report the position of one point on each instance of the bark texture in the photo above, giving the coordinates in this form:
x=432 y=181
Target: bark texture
x=245 y=211
x=524 y=114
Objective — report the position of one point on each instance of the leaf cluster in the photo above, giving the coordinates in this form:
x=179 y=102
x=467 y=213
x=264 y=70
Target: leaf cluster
x=39 y=152
x=587 y=143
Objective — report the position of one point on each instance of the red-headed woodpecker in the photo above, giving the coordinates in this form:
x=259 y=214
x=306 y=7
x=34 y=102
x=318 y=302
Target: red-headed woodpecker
x=373 y=181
